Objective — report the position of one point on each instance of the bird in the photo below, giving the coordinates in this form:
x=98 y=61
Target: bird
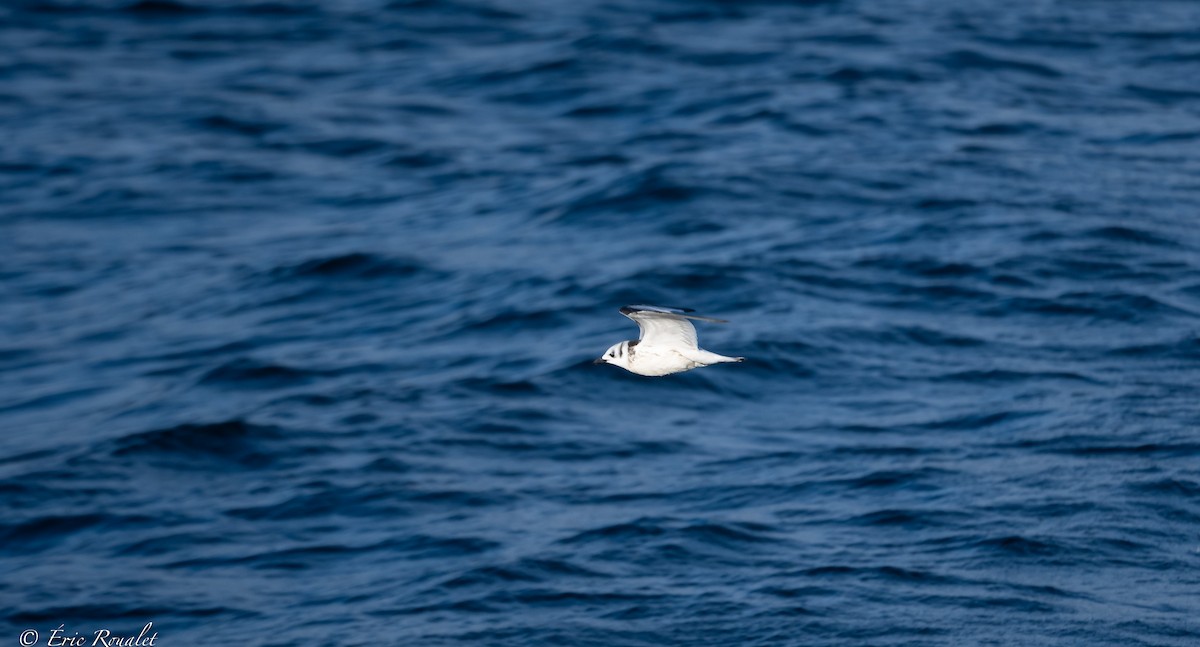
x=666 y=345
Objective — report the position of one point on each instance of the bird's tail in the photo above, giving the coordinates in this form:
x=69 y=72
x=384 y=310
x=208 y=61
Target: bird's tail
x=706 y=357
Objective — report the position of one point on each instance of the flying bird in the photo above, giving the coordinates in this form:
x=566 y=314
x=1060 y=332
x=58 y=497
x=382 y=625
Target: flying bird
x=667 y=343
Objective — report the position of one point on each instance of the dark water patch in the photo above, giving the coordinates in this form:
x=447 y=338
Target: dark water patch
x=512 y=321
x=484 y=10
x=42 y=533
x=724 y=101
x=343 y=146
x=1156 y=138
x=169 y=9
x=598 y=160
x=1038 y=40
x=901 y=336
x=26 y=456
x=879 y=450
x=923 y=267
x=1185 y=488
x=860 y=39
x=418 y=160
x=1002 y=129
x=161 y=8
x=567 y=451
x=525 y=570
x=893 y=479
x=638 y=191
x=719 y=534
x=694 y=278
x=1018 y=546
x=201 y=351
x=1015 y=604
x=966 y=59
x=364 y=501
x=247 y=127
x=850 y=75
x=934 y=338
x=792 y=592
x=907 y=519
x=200 y=446
x=771 y=117
x=107 y=612
x=1162 y=95
x=886 y=573
x=250 y=373
x=601 y=110
x=1000 y=376
x=1122 y=234
x=1101 y=305
x=1187 y=348
x=52 y=399
x=726 y=58
x=730 y=533
x=416 y=547
x=975 y=421
x=1147 y=449
x=460 y=606
x=354 y=265
x=167 y=543
x=548 y=597
x=1083 y=445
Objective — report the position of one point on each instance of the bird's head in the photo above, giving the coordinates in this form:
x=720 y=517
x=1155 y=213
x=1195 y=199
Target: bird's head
x=617 y=355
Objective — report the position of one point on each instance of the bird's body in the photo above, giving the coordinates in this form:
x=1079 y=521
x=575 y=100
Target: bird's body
x=667 y=344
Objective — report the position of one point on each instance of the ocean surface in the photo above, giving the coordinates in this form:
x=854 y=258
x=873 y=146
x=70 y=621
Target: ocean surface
x=299 y=301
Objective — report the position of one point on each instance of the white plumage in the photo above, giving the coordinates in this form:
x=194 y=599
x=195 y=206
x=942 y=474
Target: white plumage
x=667 y=343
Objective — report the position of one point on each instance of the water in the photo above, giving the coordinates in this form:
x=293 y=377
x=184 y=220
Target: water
x=300 y=301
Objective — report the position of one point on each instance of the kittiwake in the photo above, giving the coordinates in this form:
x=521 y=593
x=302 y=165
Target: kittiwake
x=667 y=343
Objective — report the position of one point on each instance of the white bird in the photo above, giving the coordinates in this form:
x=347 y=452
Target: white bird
x=667 y=343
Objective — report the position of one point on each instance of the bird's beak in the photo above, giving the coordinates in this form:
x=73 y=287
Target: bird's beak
x=599 y=360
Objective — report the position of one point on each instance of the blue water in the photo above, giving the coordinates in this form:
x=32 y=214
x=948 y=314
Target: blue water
x=299 y=302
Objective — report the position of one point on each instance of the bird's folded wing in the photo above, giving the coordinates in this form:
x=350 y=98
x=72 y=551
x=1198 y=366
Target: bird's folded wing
x=667 y=327
x=628 y=311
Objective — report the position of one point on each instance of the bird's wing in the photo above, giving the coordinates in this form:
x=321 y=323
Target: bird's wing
x=666 y=326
